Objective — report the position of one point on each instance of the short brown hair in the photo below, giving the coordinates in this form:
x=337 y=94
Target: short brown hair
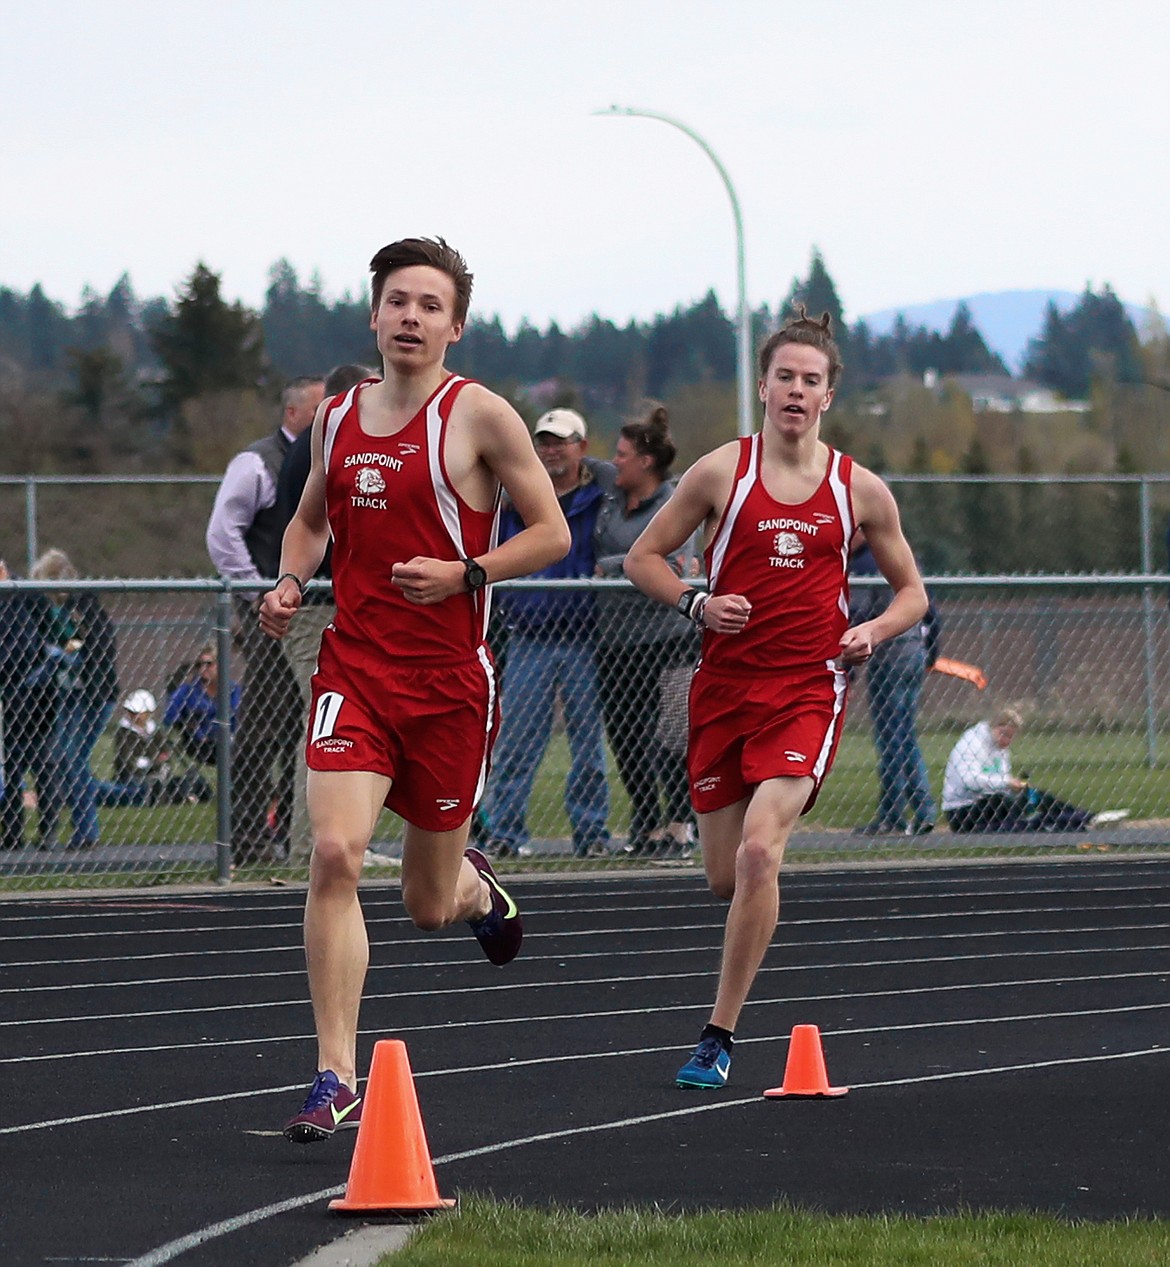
x=342 y=377
x=812 y=332
x=432 y=251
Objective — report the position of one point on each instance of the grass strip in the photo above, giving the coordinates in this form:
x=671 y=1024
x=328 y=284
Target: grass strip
x=485 y=1233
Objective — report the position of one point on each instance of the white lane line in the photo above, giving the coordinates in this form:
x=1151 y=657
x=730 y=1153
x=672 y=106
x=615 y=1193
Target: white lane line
x=172 y=1249
x=798 y=924
x=1000 y=892
x=592 y=982
x=512 y=1065
x=782 y=942
x=828 y=892
x=221 y=1008
x=648 y=952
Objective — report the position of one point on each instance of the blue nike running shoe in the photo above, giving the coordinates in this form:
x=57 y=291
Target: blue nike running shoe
x=708 y=1067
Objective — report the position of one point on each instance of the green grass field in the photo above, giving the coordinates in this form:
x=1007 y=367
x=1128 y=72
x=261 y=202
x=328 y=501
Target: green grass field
x=1099 y=771
x=488 y=1234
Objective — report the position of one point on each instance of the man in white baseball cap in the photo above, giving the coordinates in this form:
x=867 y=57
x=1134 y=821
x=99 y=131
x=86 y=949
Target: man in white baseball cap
x=550 y=650
x=566 y=424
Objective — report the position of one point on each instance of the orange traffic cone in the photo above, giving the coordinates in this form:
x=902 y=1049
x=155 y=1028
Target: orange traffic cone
x=805 y=1072
x=391 y=1169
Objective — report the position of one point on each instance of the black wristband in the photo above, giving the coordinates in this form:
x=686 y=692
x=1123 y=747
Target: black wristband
x=296 y=580
x=685 y=604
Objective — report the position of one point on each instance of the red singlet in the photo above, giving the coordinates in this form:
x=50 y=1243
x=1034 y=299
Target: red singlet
x=388 y=499
x=769 y=702
x=790 y=562
x=403 y=690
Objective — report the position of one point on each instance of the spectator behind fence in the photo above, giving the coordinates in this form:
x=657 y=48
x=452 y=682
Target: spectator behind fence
x=303 y=640
x=639 y=642
x=980 y=793
x=28 y=705
x=550 y=648
x=81 y=641
x=894 y=675
x=243 y=540
x=192 y=696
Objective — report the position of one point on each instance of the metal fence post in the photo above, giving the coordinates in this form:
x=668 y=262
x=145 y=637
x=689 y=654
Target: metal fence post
x=1148 y=628
x=30 y=522
x=223 y=737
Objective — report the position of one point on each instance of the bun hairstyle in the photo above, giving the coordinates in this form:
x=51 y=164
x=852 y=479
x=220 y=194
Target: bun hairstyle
x=651 y=438
x=813 y=332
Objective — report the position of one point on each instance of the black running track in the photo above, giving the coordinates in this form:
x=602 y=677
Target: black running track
x=1003 y=1029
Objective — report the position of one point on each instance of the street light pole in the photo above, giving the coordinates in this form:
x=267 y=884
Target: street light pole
x=743 y=352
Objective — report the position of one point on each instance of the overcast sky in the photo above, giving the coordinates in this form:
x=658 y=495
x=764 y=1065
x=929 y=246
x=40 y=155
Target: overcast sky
x=929 y=149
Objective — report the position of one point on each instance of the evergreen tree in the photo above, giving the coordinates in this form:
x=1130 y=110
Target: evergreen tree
x=963 y=349
x=1095 y=341
x=46 y=331
x=818 y=293
x=986 y=514
x=205 y=344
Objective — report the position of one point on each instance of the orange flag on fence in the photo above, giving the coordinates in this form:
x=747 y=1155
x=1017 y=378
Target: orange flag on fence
x=959 y=668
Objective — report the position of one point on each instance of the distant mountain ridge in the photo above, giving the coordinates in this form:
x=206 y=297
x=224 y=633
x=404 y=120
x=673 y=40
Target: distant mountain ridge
x=1007 y=319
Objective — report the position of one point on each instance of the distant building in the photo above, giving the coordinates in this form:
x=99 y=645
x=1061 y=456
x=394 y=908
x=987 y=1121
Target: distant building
x=1001 y=394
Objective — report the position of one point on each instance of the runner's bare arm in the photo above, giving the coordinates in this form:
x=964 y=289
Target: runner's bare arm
x=877 y=513
x=303 y=548
x=699 y=499
x=504 y=446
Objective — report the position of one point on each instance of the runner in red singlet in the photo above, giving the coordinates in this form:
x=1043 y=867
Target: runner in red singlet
x=406 y=477
x=768 y=697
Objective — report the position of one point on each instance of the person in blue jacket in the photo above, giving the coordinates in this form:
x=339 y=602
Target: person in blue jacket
x=550 y=650
x=192 y=701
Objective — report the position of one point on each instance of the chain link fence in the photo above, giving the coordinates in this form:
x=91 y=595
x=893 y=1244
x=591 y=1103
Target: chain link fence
x=153 y=525
x=164 y=770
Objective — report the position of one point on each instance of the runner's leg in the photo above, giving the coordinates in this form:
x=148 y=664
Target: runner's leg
x=343 y=808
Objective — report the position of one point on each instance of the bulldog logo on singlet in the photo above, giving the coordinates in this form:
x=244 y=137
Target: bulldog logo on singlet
x=369 y=483
x=787 y=549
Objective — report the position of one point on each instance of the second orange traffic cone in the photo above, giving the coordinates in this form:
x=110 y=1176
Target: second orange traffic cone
x=391 y=1169
x=805 y=1073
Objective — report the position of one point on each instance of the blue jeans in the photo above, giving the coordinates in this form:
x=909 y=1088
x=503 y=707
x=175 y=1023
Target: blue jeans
x=135 y=792
x=894 y=688
x=533 y=672
x=79 y=726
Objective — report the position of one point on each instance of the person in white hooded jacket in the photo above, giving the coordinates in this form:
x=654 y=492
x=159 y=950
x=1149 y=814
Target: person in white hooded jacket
x=980 y=793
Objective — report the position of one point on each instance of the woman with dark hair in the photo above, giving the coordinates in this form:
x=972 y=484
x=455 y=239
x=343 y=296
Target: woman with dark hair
x=642 y=648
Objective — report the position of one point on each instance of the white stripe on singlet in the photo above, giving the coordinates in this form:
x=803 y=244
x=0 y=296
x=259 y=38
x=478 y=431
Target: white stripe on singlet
x=492 y=686
x=848 y=527
x=448 y=501
x=333 y=421
x=739 y=495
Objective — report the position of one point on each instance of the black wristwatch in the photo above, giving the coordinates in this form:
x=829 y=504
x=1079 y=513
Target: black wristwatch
x=686 y=601
x=474 y=574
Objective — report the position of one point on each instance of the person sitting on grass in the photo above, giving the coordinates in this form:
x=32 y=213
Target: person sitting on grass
x=143 y=774
x=980 y=793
